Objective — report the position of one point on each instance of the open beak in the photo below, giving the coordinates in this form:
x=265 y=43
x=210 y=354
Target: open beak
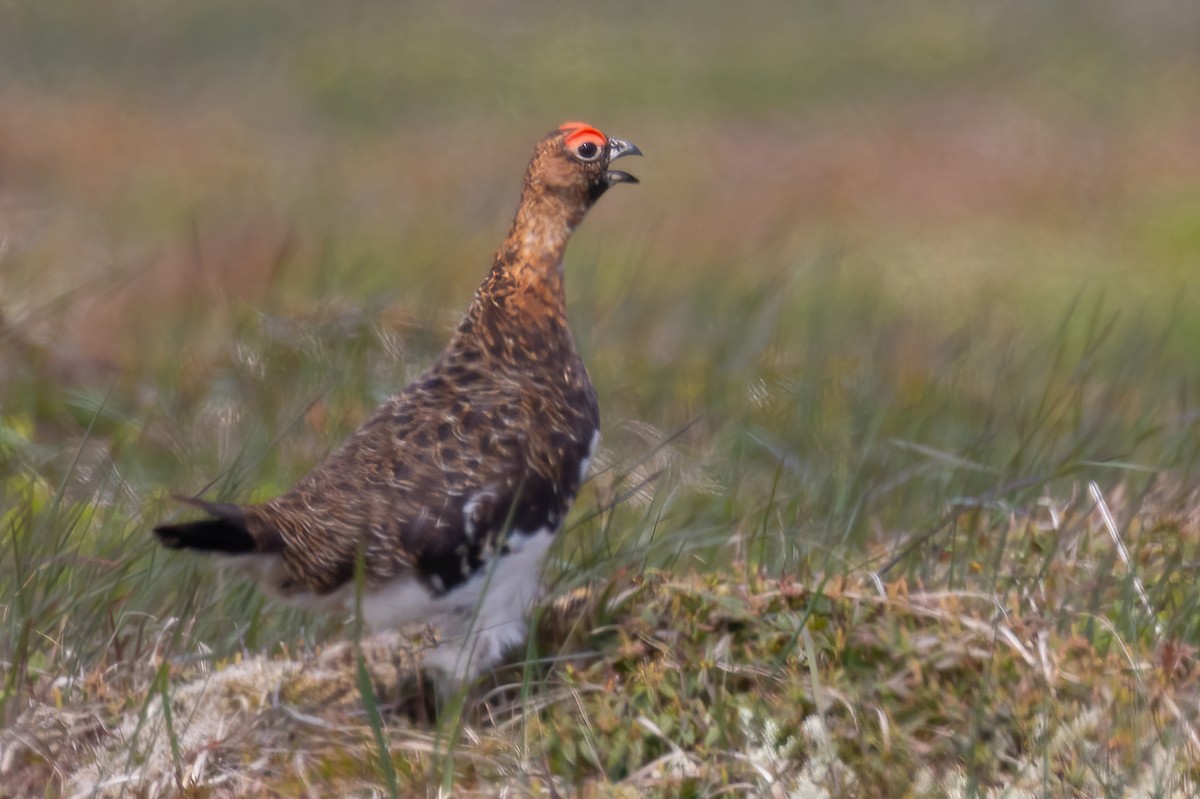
x=619 y=148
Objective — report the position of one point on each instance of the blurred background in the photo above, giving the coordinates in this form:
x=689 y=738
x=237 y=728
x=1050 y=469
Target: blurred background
x=881 y=256
x=980 y=160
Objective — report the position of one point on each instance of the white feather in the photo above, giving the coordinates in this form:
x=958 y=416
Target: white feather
x=476 y=622
x=586 y=463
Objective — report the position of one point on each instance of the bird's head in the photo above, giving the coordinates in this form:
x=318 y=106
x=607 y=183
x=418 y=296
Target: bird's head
x=569 y=171
x=571 y=164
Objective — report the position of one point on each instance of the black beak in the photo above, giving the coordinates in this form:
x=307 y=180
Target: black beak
x=619 y=148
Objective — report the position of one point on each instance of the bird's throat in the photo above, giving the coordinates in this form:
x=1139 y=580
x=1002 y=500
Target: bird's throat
x=529 y=264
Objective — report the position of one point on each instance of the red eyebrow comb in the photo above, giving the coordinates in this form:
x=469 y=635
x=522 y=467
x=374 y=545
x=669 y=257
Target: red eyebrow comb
x=579 y=132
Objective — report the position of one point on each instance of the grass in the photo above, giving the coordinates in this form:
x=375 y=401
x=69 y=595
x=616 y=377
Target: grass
x=894 y=346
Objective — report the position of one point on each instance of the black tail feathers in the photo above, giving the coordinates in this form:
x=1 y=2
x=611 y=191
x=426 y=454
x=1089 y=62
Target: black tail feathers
x=227 y=533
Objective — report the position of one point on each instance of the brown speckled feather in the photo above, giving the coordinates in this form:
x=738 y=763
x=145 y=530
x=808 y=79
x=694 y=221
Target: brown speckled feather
x=491 y=440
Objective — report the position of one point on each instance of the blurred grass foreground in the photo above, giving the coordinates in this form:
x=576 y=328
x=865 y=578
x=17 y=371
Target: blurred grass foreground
x=896 y=346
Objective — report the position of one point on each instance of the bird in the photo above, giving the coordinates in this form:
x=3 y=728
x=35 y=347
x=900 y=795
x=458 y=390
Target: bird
x=453 y=490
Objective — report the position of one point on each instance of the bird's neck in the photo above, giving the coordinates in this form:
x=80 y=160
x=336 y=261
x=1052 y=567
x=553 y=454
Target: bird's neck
x=520 y=310
x=528 y=268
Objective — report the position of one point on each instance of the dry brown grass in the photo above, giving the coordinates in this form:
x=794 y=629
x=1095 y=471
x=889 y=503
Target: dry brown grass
x=662 y=683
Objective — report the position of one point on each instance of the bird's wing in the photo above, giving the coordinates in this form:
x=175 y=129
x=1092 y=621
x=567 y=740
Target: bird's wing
x=425 y=486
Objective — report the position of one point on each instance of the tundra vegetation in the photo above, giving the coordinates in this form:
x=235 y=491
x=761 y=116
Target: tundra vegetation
x=895 y=347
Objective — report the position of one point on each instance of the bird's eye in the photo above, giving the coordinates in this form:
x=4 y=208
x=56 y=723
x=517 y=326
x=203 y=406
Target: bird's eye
x=588 y=151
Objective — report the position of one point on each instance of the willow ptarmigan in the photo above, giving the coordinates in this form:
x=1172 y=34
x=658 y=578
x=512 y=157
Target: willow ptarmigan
x=456 y=486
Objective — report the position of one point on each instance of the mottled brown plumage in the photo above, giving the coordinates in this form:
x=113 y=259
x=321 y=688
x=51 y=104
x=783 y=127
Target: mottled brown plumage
x=479 y=456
